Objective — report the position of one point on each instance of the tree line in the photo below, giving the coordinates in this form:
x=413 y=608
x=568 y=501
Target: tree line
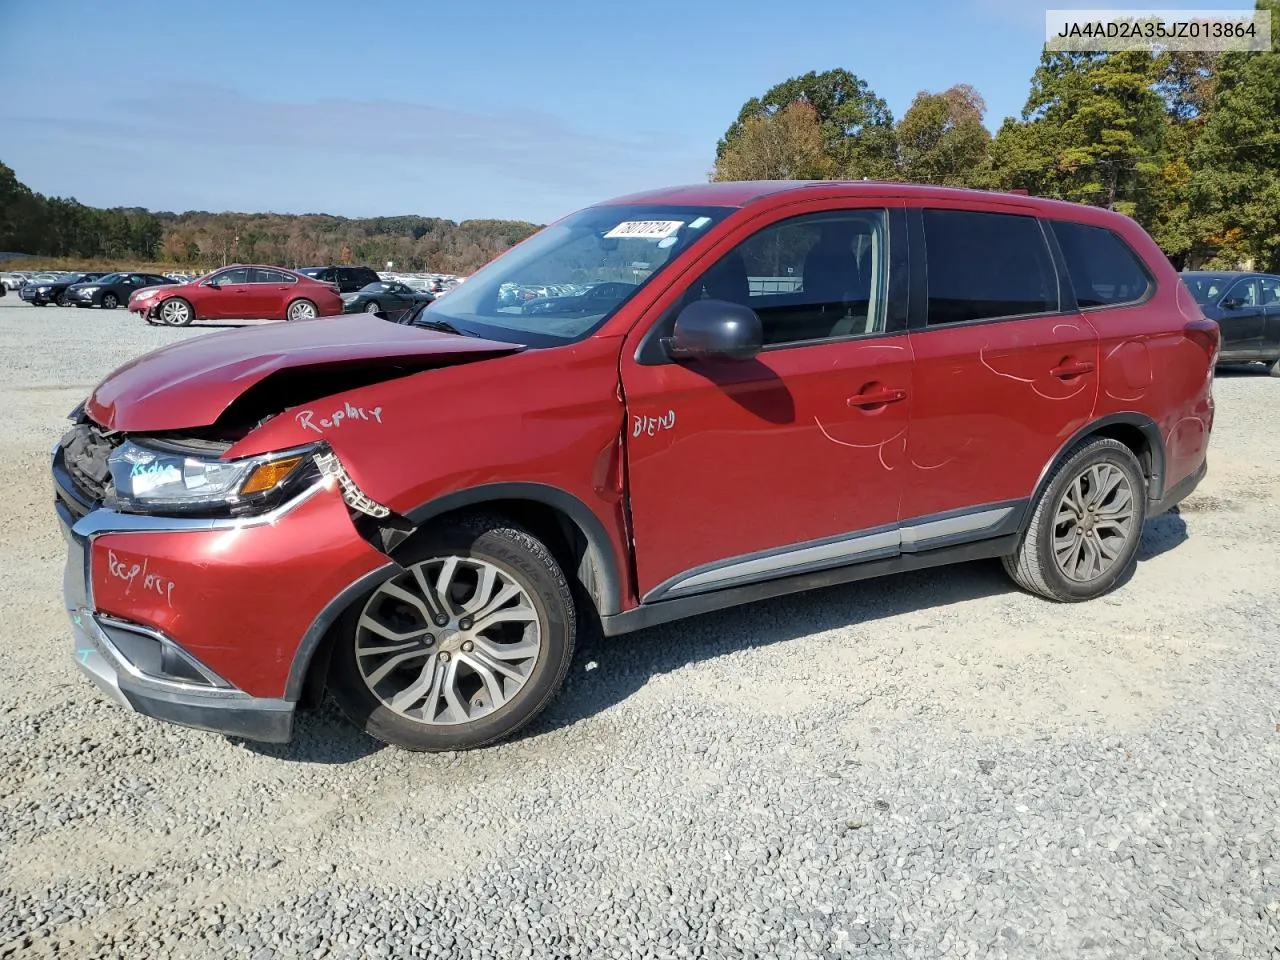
x=1186 y=143
x=63 y=228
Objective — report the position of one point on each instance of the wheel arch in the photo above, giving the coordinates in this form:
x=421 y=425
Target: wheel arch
x=1137 y=431
x=575 y=536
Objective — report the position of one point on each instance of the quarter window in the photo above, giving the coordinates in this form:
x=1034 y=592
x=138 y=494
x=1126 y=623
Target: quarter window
x=984 y=266
x=1270 y=291
x=815 y=277
x=1104 y=271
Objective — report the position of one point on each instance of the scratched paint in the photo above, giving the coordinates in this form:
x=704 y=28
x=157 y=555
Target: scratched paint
x=1031 y=382
x=134 y=574
x=651 y=426
x=347 y=413
x=1127 y=371
x=879 y=446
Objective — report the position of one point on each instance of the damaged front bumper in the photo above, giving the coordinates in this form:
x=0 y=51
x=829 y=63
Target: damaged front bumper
x=209 y=623
x=207 y=703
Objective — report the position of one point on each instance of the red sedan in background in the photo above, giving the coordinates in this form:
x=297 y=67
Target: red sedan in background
x=239 y=293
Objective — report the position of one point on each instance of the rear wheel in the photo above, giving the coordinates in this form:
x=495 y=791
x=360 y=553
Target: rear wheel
x=63 y=301
x=176 y=312
x=110 y=301
x=1274 y=369
x=1083 y=537
x=301 y=310
x=466 y=646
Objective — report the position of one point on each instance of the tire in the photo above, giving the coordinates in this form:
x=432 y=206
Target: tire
x=63 y=301
x=540 y=613
x=176 y=312
x=372 y=306
x=301 y=310
x=1095 y=463
x=110 y=301
x=1274 y=369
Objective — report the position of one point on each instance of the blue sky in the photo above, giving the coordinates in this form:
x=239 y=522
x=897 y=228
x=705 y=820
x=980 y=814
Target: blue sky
x=488 y=108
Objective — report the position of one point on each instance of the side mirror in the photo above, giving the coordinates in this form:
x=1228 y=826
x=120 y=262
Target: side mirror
x=212 y=284
x=1232 y=303
x=715 y=330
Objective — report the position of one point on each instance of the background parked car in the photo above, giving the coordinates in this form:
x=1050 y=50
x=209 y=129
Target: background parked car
x=348 y=279
x=383 y=297
x=41 y=293
x=239 y=293
x=111 y=290
x=14 y=280
x=1246 y=307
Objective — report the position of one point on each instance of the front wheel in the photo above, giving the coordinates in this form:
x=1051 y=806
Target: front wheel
x=466 y=646
x=110 y=301
x=1083 y=536
x=372 y=306
x=176 y=312
x=301 y=310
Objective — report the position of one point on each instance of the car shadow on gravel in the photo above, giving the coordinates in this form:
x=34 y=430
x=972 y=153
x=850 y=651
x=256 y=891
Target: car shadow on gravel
x=321 y=735
x=606 y=671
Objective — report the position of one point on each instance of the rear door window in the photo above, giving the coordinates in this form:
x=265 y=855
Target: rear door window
x=987 y=266
x=261 y=275
x=1104 y=271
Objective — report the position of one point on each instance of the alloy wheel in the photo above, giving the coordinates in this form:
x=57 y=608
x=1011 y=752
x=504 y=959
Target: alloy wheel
x=302 y=310
x=175 y=313
x=1094 y=522
x=449 y=641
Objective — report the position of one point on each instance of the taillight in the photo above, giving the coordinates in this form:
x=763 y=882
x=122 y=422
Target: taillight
x=1207 y=335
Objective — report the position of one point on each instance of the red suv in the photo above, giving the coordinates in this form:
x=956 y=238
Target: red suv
x=737 y=390
x=239 y=293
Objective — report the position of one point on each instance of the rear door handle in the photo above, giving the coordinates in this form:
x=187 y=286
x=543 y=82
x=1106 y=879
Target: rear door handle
x=877 y=397
x=1072 y=368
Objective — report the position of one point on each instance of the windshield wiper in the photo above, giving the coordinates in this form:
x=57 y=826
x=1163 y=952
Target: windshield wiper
x=441 y=326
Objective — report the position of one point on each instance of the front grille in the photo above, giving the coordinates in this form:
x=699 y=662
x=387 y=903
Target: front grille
x=85 y=449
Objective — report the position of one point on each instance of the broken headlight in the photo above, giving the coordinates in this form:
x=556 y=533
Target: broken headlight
x=165 y=479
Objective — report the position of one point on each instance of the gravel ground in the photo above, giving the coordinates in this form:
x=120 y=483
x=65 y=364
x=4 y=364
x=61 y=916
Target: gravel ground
x=932 y=765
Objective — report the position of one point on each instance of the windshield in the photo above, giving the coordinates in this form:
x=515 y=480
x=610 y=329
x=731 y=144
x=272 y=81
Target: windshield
x=567 y=279
x=378 y=286
x=1206 y=287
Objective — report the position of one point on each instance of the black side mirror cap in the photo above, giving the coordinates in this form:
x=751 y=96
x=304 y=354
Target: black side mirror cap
x=1232 y=303
x=715 y=330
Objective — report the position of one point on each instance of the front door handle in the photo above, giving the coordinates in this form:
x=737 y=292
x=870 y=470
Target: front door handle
x=1072 y=368
x=877 y=398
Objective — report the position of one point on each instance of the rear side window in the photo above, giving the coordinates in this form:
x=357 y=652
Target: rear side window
x=1104 y=271
x=983 y=266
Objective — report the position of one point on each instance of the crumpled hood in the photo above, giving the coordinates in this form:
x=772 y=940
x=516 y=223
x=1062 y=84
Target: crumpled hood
x=189 y=384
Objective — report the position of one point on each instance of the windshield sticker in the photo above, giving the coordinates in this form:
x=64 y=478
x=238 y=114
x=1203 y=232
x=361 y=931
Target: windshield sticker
x=645 y=229
x=699 y=223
